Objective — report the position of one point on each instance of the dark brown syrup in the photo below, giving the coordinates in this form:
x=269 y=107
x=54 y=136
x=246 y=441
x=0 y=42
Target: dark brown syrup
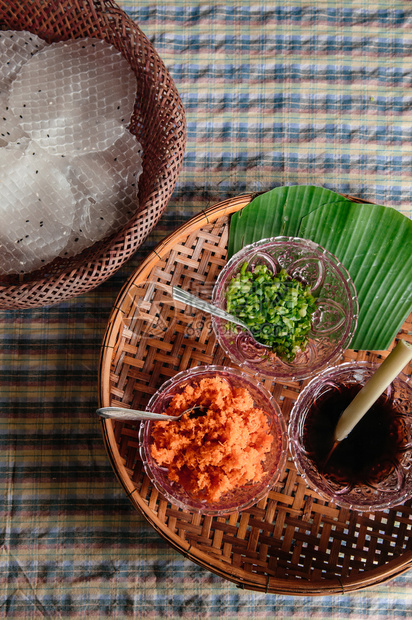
x=370 y=451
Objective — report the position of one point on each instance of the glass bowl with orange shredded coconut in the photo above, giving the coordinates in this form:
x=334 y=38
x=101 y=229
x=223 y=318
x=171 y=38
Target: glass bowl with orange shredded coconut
x=227 y=457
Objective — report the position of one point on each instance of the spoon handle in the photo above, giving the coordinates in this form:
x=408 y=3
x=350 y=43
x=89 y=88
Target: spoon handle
x=179 y=294
x=118 y=413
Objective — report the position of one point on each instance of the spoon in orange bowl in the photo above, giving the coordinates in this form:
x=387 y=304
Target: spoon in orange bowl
x=122 y=413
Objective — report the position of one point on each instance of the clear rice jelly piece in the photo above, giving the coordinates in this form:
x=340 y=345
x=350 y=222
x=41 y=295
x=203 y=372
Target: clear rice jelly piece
x=72 y=95
x=37 y=208
x=16 y=48
x=10 y=129
x=105 y=186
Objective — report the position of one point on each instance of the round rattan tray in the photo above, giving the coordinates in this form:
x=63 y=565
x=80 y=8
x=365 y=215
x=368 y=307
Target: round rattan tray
x=292 y=542
x=158 y=122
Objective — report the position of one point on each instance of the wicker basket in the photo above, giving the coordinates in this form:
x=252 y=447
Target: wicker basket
x=292 y=542
x=158 y=122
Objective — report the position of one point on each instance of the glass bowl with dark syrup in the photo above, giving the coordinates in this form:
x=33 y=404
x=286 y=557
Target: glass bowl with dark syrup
x=371 y=469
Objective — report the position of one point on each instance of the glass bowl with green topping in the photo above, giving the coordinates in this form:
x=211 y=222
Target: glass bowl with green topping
x=298 y=302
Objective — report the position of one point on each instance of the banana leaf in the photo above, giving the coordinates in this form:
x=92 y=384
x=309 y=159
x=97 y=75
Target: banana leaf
x=372 y=241
x=277 y=212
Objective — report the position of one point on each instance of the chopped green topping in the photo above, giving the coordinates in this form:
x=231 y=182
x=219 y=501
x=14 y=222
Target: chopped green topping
x=276 y=307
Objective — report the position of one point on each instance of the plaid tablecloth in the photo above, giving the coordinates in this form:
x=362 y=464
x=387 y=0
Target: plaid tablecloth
x=275 y=93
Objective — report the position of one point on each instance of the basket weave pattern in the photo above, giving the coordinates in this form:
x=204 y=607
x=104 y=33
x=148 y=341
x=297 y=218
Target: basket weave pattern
x=158 y=123
x=292 y=541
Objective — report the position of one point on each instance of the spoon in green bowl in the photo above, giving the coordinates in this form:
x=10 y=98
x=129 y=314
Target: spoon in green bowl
x=179 y=294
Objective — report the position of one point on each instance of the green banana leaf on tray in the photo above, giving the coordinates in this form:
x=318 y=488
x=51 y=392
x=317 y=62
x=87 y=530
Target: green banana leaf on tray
x=373 y=242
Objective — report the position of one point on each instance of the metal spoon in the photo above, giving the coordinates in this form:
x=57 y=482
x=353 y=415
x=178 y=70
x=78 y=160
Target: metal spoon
x=179 y=294
x=120 y=413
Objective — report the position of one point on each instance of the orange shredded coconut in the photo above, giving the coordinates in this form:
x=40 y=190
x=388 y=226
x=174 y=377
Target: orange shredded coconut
x=218 y=451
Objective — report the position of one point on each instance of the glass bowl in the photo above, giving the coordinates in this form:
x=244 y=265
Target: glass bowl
x=379 y=475
x=241 y=497
x=333 y=323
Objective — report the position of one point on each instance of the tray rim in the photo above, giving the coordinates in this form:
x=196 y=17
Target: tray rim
x=261 y=583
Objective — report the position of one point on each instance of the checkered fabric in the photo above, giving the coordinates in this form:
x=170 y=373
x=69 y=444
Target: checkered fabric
x=276 y=93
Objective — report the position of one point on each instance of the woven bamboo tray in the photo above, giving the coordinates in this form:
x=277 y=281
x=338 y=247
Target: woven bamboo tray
x=292 y=542
x=158 y=122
